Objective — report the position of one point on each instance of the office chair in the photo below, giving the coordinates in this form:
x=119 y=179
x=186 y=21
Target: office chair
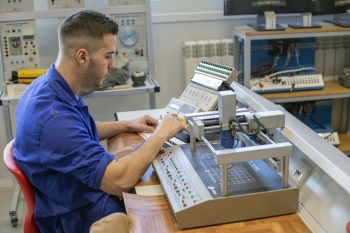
x=30 y=225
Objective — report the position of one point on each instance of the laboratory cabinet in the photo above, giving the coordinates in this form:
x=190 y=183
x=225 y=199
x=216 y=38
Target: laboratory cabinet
x=332 y=89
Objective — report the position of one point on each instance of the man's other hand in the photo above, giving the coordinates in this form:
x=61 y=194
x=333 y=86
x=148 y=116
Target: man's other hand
x=145 y=124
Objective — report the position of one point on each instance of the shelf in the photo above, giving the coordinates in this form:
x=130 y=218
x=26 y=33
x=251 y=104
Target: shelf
x=344 y=143
x=325 y=30
x=151 y=86
x=46 y=14
x=331 y=90
x=248 y=34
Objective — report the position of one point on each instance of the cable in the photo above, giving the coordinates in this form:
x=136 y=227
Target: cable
x=329 y=135
x=261 y=69
x=256 y=81
x=237 y=139
x=248 y=133
x=317 y=123
x=274 y=64
x=303 y=117
x=297 y=56
x=289 y=71
x=287 y=60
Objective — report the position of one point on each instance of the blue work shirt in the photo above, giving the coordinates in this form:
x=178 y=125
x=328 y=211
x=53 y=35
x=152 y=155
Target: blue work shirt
x=57 y=147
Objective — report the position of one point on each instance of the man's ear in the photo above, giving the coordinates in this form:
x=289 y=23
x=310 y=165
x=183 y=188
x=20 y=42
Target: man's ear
x=82 y=56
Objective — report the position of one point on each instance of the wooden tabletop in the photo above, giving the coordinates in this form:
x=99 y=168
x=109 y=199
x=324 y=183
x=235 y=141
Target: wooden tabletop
x=249 y=31
x=153 y=214
x=344 y=143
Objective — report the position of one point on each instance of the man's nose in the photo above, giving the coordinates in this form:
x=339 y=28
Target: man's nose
x=112 y=64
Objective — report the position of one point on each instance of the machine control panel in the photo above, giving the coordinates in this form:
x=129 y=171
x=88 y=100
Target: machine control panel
x=15 y=6
x=19 y=45
x=202 y=91
x=199 y=96
x=178 y=182
x=64 y=4
x=132 y=42
x=180 y=108
x=126 y=2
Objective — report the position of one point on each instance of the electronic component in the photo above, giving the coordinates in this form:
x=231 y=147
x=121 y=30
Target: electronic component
x=126 y=2
x=181 y=108
x=132 y=42
x=138 y=78
x=344 y=80
x=283 y=65
x=65 y=4
x=19 y=45
x=280 y=47
x=16 y=6
x=203 y=87
x=282 y=83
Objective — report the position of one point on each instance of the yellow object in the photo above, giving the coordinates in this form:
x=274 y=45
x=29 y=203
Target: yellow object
x=182 y=120
x=30 y=73
x=26 y=80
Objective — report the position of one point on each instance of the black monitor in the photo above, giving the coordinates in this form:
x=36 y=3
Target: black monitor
x=339 y=8
x=266 y=9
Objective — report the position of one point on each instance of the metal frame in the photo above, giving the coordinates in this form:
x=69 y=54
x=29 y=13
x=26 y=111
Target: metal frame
x=263 y=36
x=326 y=156
x=319 y=32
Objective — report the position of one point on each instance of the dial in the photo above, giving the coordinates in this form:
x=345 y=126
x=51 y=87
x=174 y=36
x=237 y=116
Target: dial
x=129 y=37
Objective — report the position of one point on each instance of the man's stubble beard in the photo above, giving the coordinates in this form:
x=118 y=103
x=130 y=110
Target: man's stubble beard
x=91 y=75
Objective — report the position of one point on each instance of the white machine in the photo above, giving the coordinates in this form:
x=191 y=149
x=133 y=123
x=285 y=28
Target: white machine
x=203 y=87
x=13 y=6
x=132 y=42
x=194 y=182
x=19 y=45
x=65 y=4
x=180 y=108
x=279 y=166
x=287 y=83
x=126 y=2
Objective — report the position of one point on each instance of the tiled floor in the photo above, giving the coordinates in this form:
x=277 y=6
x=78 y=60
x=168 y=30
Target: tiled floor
x=5 y=202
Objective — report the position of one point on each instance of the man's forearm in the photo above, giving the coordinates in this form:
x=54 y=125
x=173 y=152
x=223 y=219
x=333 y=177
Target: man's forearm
x=109 y=129
x=123 y=174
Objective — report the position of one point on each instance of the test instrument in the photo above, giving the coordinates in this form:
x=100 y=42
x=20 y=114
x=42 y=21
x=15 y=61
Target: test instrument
x=200 y=188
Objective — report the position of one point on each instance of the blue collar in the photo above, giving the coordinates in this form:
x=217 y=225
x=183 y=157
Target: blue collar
x=60 y=86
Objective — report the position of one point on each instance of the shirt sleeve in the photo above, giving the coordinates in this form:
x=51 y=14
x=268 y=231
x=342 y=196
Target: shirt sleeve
x=67 y=145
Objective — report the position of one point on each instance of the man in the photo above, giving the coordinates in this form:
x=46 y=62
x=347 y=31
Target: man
x=57 y=140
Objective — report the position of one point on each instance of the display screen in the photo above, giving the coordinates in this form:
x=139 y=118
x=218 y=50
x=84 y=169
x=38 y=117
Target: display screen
x=322 y=7
x=247 y=7
x=174 y=106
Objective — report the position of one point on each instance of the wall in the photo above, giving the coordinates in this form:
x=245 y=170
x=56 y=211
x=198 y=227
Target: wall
x=174 y=21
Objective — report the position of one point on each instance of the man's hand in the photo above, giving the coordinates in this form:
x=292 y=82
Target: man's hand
x=144 y=124
x=169 y=127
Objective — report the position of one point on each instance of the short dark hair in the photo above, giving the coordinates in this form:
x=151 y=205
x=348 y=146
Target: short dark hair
x=87 y=26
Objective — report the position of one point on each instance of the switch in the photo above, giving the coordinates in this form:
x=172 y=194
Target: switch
x=301 y=172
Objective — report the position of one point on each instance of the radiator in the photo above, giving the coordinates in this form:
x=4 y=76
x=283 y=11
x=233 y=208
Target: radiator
x=218 y=51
